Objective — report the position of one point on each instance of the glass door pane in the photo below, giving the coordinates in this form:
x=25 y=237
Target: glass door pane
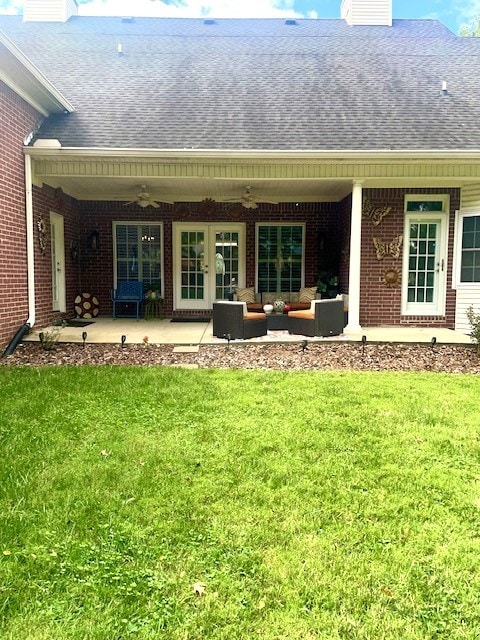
x=422 y=262
x=192 y=269
x=226 y=262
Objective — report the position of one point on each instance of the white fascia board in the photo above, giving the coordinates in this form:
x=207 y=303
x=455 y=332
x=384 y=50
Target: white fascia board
x=258 y=154
x=36 y=83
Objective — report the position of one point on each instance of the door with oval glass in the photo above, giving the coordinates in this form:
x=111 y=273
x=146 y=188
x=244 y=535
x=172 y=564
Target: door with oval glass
x=209 y=258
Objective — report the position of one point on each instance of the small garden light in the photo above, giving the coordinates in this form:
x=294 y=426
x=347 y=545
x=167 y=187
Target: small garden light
x=84 y=338
x=123 y=340
x=304 y=345
x=364 y=341
x=433 y=342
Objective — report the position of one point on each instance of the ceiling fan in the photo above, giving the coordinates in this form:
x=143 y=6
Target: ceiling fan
x=248 y=200
x=144 y=199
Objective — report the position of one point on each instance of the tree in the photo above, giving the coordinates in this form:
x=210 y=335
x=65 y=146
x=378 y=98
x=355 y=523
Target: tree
x=472 y=29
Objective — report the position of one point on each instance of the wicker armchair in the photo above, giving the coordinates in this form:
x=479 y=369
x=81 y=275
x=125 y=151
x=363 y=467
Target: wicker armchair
x=232 y=319
x=324 y=318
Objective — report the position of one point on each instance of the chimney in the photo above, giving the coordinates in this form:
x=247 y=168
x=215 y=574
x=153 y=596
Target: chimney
x=367 y=12
x=49 y=10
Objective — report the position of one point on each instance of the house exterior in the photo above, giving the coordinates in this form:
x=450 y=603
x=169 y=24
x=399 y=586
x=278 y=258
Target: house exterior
x=190 y=153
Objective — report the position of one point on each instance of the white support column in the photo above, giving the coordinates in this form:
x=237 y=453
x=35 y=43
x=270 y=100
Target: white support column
x=353 y=325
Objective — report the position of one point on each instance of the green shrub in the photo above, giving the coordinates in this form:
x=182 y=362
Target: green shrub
x=474 y=320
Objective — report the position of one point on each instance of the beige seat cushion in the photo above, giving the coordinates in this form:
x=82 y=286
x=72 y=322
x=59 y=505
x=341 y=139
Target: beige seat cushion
x=305 y=314
x=252 y=315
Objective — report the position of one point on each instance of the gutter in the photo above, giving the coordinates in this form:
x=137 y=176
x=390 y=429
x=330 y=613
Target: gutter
x=57 y=150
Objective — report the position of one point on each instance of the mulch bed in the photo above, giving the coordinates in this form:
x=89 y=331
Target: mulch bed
x=284 y=357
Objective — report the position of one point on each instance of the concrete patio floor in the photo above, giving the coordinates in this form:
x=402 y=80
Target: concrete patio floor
x=106 y=330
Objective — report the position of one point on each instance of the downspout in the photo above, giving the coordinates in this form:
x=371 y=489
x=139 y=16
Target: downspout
x=30 y=246
x=17 y=338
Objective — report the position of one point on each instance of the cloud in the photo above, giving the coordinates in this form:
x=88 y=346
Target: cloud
x=11 y=7
x=465 y=10
x=192 y=8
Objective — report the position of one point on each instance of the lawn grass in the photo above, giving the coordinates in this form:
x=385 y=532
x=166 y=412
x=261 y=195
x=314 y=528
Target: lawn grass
x=165 y=503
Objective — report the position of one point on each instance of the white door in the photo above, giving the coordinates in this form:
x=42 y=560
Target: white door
x=209 y=258
x=58 y=262
x=425 y=264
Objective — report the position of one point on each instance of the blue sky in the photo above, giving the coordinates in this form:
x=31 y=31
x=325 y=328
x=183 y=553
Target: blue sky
x=451 y=12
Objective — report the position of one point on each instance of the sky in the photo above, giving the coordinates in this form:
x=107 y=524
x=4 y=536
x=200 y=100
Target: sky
x=452 y=13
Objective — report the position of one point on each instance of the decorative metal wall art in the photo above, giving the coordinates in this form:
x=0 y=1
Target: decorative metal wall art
x=207 y=206
x=391 y=277
x=42 y=234
x=388 y=248
x=376 y=214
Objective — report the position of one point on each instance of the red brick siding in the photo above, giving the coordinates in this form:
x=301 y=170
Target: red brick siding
x=380 y=305
x=97 y=265
x=325 y=222
x=48 y=200
x=17 y=119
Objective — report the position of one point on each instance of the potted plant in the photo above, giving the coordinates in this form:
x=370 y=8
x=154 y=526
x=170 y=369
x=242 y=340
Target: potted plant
x=327 y=284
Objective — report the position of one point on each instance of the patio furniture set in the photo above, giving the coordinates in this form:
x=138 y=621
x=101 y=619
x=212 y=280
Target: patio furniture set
x=234 y=319
x=323 y=318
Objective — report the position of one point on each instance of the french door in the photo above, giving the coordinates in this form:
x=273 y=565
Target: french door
x=425 y=255
x=209 y=260
x=58 y=262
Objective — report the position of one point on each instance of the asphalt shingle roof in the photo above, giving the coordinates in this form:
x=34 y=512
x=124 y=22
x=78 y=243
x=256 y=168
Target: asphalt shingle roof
x=257 y=84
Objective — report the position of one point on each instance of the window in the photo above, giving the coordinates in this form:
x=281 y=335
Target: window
x=280 y=251
x=138 y=253
x=470 y=251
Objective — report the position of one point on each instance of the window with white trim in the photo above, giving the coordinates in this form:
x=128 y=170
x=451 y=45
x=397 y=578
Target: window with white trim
x=280 y=256
x=139 y=253
x=470 y=249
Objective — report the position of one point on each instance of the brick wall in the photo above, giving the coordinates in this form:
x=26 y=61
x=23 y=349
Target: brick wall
x=380 y=305
x=17 y=120
x=97 y=265
x=327 y=224
x=48 y=200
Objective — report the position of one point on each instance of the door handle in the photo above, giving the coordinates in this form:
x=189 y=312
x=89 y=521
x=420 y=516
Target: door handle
x=440 y=266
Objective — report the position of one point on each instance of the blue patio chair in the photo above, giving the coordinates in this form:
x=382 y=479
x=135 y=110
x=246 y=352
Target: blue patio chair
x=127 y=292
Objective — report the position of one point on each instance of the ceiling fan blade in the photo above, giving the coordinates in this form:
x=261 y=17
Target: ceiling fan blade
x=266 y=201
x=131 y=202
x=154 y=204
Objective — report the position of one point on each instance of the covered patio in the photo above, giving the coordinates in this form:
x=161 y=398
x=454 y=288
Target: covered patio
x=105 y=330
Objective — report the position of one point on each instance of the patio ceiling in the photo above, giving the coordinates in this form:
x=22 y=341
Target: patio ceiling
x=193 y=179
x=198 y=189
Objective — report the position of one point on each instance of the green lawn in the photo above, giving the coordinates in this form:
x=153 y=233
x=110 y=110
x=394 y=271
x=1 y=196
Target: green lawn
x=196 y=505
